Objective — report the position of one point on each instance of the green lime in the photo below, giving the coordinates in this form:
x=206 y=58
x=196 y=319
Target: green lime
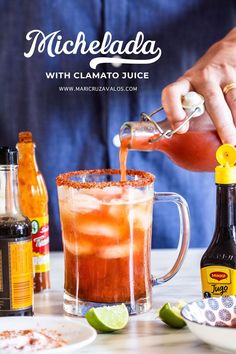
x=171 y=316
x=108 y=318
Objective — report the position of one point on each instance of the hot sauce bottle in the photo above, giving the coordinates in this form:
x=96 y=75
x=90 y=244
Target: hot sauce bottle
x=34 y=204
x=16 y=268
x=218 y=264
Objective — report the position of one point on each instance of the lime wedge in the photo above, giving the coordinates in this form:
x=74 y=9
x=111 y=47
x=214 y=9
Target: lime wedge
x=171 y=316
x=108 y=318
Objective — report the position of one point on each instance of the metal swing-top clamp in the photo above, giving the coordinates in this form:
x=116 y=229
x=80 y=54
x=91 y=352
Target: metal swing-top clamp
x=192 y=103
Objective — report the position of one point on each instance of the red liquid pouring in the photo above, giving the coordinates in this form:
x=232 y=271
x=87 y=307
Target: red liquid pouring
x=123 y=160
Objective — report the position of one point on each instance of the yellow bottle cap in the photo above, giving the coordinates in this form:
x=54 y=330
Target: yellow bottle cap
x=226 y=171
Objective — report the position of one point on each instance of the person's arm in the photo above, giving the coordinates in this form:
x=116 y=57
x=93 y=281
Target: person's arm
x=215 y=69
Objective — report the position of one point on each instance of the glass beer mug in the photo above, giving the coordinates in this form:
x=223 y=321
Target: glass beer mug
x=107 y=229
x=195 y=150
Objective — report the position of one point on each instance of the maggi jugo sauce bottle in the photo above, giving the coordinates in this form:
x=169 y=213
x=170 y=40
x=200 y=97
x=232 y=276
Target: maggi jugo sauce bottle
x=218 y=264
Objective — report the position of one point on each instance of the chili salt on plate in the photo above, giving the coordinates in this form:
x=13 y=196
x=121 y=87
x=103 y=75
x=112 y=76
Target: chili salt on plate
x=43 y=334
x=29 y=340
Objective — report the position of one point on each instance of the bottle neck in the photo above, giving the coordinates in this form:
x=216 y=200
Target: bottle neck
x=226 y=206
x=9 y=200
x=27 y=155
x=147 y=135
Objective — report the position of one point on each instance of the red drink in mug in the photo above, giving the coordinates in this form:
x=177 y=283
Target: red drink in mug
x=106 y=227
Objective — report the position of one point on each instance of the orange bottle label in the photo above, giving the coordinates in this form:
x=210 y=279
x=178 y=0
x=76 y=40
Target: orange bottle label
x=21 y=274
x=40 y=238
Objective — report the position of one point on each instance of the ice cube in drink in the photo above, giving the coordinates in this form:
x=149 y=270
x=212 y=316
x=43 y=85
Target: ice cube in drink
x=106 y=241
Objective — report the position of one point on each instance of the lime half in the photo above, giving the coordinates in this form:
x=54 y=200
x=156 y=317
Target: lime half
x=108 y=318
x=171 y=316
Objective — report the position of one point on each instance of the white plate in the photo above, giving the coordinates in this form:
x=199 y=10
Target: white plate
x=72 y=330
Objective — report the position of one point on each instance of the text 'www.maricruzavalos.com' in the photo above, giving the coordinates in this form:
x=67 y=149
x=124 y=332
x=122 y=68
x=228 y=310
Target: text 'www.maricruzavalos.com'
x=97 y=88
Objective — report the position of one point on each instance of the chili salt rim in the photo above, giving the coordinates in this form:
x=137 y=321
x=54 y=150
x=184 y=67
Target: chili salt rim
x=146 y=178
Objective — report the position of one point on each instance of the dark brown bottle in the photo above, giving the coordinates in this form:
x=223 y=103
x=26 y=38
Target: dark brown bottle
x=16 y=270
x=218 y=264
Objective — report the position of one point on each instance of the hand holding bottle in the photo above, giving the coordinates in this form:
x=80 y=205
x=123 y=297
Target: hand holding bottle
x=211 y=76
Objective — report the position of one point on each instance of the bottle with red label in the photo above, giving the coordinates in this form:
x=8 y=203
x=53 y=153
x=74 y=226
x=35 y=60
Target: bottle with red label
x=34 y=204
x=218 y=264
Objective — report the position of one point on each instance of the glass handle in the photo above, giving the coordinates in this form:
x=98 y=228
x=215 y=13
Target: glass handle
x=184 y=235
